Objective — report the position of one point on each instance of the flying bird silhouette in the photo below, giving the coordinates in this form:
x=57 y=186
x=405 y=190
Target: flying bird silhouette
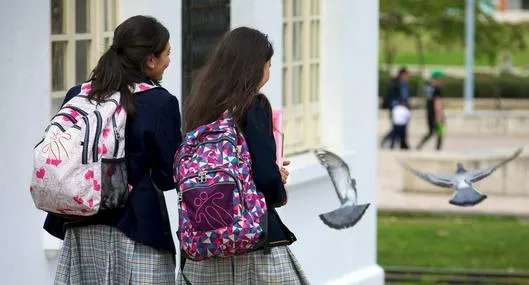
x=349 y=212
x=461 y=181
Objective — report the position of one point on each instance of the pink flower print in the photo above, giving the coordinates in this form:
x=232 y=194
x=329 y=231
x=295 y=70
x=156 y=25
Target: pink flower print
x=118 y=109
x=86 y=88
x=130 y=187
x=102 y=149
x=40 y=173
x=144 y=87
x=54 y=162
x=30 y=189
x=89 y=174
x=74 y=113
x=105 y=132
x=97 y=186
x=78 y=199
x=90 y=203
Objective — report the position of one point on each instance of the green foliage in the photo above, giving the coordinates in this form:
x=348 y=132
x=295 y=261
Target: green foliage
x=472 y=242
x=485 y=86
x=442 y=23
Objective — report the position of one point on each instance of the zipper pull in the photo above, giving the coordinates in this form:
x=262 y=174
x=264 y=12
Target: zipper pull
x=180 y=198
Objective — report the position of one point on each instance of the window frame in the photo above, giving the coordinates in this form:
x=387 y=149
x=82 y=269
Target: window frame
x=302 y=127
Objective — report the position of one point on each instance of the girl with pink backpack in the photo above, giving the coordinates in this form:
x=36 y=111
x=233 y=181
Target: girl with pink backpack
x=228 y=181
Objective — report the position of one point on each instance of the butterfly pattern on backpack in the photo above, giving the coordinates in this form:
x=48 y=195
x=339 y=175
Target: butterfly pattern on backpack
x=221 y=212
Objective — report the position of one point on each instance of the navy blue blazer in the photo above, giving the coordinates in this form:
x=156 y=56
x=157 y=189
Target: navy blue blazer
x=257 y=130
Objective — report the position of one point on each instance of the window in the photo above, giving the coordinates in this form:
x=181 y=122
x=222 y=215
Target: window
x=81 y=30
x=301 y=74
x=525 y=4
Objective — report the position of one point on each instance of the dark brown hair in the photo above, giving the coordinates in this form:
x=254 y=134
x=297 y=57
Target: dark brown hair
x=123 y=63
x=230 y=78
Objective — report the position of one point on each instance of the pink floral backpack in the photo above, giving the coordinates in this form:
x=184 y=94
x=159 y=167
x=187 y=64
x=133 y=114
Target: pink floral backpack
x=221 y=213
x=79 y=166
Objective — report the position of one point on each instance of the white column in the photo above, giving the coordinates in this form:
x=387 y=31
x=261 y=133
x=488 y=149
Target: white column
x=25 y=84
x=349 y=87
x=267 y=17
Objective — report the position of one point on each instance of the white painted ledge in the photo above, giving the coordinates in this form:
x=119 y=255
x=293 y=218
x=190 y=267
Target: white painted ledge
x=51 y=245
x=305 y=167
x=369 y=275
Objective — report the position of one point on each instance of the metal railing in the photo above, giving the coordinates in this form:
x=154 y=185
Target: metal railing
x=454 y=276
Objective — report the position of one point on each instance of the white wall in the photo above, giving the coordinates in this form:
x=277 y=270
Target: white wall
x=265 y=16
x=25 y=81
x=349 y=60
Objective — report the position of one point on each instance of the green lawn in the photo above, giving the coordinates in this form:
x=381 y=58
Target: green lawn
x=421 y=240
x=434 y=55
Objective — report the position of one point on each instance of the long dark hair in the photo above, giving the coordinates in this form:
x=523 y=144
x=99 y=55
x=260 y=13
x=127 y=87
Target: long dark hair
x=230 y=78
x=123 y=64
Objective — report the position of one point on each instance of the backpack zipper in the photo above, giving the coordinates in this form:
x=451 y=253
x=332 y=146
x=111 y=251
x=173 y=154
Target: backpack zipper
x=74 y=120
x=84 y=159
x=116 y=135
x=79 y=110
x=57 y=125
x=208 y=142
x=104 y=100
x=97 y=135
x=205 y=172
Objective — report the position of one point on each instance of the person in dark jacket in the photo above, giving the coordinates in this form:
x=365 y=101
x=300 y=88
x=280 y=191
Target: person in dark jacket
x=134 y=244
x=231 y=80
x=398 y=90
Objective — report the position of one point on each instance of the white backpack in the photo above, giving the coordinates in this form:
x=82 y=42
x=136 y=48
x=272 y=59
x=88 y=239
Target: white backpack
x=79 y=167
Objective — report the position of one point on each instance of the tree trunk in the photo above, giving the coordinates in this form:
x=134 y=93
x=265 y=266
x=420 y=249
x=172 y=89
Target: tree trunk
x=420 y=56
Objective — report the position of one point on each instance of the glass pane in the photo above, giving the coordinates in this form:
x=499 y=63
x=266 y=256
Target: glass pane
x=108 y=42
x=82 y=16
x=296 y=8
x=315 y=39
x=296 y=41
x=285 y=87
x=82 y=59
x=57 y=17
x=110 y=15
x=296 y=84
x=314 y=82
x=285 y=32
x=315 y=7
x=58 y=65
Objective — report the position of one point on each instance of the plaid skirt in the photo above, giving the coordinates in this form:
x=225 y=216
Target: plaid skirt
x=103 y=255
x=255 y=268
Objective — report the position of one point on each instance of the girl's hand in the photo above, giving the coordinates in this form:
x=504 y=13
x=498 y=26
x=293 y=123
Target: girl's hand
x=284 y=172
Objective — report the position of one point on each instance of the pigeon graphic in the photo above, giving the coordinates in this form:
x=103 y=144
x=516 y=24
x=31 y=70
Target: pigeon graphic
x=349 y=212
x=465 y=194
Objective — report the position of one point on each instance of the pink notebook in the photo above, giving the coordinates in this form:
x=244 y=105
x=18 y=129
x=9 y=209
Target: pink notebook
x=277 y=121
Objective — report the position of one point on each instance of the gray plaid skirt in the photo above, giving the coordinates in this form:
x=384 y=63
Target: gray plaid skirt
x=103 y=255
x=255 y=268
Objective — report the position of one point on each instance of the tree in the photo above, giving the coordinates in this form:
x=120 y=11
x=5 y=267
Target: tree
x=442 y=22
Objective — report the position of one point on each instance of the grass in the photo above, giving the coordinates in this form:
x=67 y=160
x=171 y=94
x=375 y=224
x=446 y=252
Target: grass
x=470 y=242
x=434 y=55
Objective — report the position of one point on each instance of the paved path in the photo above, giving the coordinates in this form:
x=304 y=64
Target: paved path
x=390 y=196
